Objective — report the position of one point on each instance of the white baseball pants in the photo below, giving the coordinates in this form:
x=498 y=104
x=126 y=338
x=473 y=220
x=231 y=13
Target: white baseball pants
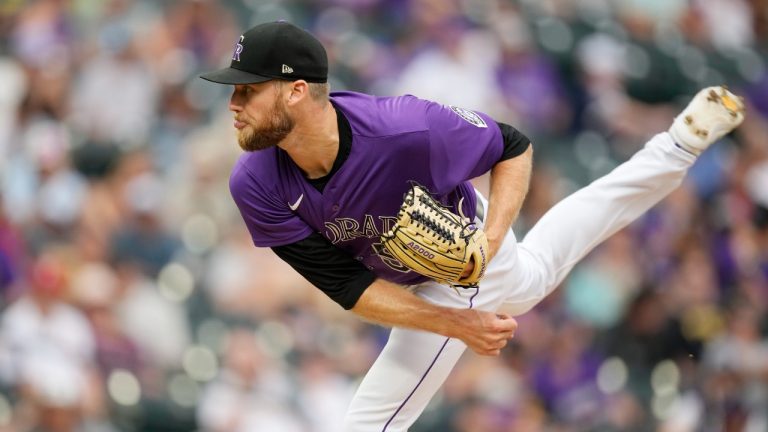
x=414 y=364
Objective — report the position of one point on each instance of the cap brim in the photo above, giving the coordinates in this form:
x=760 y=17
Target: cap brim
x=233 y=76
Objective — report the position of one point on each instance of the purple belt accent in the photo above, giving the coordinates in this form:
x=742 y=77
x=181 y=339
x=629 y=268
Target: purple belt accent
x=424 y=376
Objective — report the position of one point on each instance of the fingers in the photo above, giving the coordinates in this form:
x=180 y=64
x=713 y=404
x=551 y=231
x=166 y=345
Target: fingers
x=506 y=323
x=492 y=349
x=469 y=269
x=488 y=348
x=490 y=332
x=500 y=332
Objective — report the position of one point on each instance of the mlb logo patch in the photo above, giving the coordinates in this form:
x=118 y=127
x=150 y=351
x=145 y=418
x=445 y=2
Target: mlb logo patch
x=469 y=116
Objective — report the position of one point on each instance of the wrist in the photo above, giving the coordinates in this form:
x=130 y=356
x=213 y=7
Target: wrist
x=388 y=304
x=450 y=322
x=494 y=243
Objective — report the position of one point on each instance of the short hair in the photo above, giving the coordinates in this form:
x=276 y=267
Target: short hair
x=319 y=91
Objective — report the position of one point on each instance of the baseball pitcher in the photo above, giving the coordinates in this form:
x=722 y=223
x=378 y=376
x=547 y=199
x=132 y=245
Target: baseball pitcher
x=369 y=199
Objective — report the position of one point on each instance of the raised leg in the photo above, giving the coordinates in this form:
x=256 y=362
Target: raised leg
x=573 y=227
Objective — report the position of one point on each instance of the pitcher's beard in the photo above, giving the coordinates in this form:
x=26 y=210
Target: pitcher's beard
x=278 y=124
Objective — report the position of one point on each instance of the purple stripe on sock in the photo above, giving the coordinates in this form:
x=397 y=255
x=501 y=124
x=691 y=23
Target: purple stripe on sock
x=424 y=376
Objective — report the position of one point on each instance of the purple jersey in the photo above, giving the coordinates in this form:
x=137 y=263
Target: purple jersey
x=395 y=140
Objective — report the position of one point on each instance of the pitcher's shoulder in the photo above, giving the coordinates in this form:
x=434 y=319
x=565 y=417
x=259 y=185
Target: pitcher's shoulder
x=253 y=168
x=377 y=116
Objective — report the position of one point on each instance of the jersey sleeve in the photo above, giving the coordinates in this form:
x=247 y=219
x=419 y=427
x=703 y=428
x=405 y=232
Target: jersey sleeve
x=464 y=144
x=269 y=220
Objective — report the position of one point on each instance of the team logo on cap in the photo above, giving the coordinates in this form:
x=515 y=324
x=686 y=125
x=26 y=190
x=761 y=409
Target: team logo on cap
x=238 y=49
x=469 y=116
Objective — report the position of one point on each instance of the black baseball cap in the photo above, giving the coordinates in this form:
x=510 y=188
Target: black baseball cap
x=274 y=50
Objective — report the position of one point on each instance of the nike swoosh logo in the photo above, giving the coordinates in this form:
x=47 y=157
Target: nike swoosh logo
x=295 y=205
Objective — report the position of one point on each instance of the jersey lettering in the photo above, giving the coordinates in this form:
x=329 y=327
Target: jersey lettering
x=369 y=227
x=346 y=229
x=350 y=228
x=332 y=232
x=387 y=222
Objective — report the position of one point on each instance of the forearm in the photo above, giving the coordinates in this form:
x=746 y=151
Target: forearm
x=509 y=185
x=391 y=305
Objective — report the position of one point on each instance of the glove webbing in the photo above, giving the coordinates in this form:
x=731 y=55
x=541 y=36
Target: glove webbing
x=431 y=221
x=435 y=222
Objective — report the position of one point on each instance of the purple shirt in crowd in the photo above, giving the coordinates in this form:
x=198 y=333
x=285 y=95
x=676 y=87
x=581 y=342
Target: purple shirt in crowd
x=395 y=140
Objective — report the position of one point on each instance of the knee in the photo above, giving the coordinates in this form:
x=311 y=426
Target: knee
x=543 y=272
x=516 y=307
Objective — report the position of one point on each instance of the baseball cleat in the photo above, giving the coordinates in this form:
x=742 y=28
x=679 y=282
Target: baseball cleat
x=712 y=113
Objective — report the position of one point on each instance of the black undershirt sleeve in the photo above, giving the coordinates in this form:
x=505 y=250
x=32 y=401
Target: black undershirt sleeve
x=333 y=271
x=515 y=143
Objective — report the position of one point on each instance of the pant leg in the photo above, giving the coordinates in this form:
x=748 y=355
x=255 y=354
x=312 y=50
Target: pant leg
x=414 y=364
x=574 y=226
x=400 y=384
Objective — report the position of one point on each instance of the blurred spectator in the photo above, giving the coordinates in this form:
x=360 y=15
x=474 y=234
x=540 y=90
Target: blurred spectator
x=115 y=97
x=143 y=239
x=95 y=289
x=646 y=337
x=11 y=255
x=54 y=396
x=455 y=55
x=60 y=190
x=142 y=310
x=737 y=363
x=251 y=392
x=728 y=23
x=11 y=96
x=44 y=34
x=530 y=87
x=565 y=379
x=48 y=355
x=600 y=288
x=40 y=322
x=323 y=393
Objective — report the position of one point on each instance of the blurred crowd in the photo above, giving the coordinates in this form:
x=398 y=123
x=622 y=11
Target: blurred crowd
x=131 y=296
